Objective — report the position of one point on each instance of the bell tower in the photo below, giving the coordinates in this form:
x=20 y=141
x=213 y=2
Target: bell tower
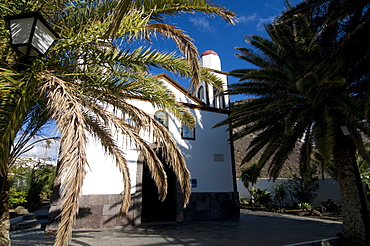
x=209 y=94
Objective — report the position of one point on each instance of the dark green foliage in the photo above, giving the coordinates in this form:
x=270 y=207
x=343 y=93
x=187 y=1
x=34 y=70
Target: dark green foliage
x=311 y=91
x=260 y=196
x=331 y=206
x=304 y=189
x=366 y=180
x=281 y=192
x=16 y=198
x=308 y=83
x=305 y=206
x=250 y=175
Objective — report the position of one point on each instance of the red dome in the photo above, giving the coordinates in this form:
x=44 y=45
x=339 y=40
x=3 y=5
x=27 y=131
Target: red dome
x=209 y=52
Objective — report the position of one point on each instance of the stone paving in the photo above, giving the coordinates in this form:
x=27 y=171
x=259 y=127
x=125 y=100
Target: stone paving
x=249 y=230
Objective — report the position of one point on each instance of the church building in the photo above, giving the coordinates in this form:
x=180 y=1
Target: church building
x=208 y=156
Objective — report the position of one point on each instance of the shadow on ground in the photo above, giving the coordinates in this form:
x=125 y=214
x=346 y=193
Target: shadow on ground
x=250 y=230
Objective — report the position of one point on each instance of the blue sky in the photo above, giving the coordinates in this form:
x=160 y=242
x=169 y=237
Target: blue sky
x=213 y=33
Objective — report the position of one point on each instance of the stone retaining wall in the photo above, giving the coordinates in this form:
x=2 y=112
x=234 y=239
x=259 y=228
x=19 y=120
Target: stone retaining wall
x=328 y=189
x=212 y=206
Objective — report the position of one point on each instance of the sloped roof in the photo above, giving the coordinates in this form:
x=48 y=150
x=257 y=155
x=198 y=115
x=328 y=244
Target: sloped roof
x=198 y=104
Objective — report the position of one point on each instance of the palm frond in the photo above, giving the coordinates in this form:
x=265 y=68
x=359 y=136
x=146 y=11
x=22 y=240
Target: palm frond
x=159 y=8
x=68 y=114
x=185 y=45
x=14 y=109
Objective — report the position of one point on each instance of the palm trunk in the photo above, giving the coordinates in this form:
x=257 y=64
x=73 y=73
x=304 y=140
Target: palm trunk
x=4 y=212
x=355 y=206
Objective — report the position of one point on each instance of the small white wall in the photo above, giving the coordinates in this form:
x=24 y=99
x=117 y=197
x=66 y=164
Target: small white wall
x=328 y=189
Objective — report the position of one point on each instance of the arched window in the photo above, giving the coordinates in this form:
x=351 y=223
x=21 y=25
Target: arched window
x=201 y=94
x=161 y=117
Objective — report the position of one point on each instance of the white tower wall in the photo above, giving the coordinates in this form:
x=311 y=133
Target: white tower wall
x=210 y=59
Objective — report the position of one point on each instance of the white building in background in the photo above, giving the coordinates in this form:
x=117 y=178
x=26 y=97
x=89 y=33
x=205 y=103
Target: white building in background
x=208 y=156
x=35 y=161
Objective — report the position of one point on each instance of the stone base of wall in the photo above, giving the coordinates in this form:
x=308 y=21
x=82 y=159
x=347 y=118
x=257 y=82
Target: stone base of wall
x=97 y=211
x=212 y=206
x=101 y=211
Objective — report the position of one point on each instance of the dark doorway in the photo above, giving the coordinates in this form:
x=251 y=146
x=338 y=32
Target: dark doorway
x=154 y=210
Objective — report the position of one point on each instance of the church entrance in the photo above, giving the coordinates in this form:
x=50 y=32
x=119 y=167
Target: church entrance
x=154 y=210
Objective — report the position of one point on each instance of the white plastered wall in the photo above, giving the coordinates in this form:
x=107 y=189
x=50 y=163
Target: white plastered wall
x=208 y=157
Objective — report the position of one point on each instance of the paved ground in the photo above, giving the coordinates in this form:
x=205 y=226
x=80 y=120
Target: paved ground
x=249 y=230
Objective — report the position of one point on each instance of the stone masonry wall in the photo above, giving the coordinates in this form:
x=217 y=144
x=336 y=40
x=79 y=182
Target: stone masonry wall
x=212 y=206
x=97 y=211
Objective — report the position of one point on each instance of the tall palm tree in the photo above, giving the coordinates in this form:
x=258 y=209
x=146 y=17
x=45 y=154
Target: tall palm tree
x=86 y=79
x=309 y=93
x=340 y=18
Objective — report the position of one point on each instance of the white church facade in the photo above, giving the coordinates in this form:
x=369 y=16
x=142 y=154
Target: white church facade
x=208 y=156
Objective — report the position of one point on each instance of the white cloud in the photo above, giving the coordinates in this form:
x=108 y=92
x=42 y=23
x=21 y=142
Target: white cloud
x=247 y=19
x=260 y=27
x=202 y=24
x=256 y=20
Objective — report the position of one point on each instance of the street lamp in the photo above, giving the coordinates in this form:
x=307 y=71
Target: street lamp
x=31 y=34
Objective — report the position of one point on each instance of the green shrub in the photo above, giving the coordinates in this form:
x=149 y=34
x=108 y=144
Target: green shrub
x=330 y=206
x=304 y=189
x=304 y=206
x=365 y=176
x=261 y=197
x=16 y=198
x=242 y=200
x=33 y=179
x=281 y=192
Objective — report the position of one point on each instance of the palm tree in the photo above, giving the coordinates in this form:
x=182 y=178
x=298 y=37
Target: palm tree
x=250 y=174
x=341 y=18
x=84 y=84
x=309 y=93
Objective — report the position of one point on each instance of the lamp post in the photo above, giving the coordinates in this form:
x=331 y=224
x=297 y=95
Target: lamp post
x=30 y=34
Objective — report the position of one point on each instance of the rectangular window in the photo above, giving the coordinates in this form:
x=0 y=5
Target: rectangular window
x=187 y=133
